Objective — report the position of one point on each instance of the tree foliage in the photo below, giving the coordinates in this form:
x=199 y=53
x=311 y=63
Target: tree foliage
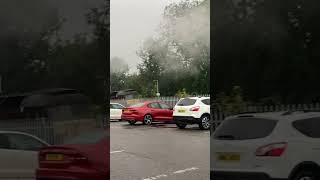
x=231 y=103
x=179 y=57
x=269 y=48
x=34 y=56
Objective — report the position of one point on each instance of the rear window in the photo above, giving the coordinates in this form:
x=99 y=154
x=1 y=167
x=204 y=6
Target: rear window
x=186 y=102
x=154 y=105
x=137 y=105
x=206 y=101
x=117 y=106
x=308 y=127
x=245 y=128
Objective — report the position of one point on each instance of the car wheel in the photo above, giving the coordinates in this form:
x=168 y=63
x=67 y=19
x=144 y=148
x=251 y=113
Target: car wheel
x=306 y=175
x=205 y=122
x=132 y=122
x=147 y=119
x=181 y=125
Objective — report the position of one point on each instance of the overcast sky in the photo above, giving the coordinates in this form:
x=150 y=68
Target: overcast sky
x=132 y=21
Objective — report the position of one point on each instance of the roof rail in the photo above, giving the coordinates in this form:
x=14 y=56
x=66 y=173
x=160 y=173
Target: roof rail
x=299 y=110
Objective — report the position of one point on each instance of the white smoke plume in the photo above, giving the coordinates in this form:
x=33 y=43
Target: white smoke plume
x=184 y=36
x=118 y=65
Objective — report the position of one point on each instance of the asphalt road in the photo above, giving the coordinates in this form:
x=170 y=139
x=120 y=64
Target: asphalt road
x=160 y=151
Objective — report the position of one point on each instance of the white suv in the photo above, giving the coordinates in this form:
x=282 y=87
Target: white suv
x=282 y=145
x=192 y=110
x=116 y=111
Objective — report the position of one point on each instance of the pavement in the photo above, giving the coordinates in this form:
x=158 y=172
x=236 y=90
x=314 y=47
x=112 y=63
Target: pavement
x=159 y=152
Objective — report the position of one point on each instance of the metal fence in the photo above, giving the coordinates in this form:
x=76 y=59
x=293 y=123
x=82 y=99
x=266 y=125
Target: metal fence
x=170 y=100
x=40 y=127
x=51 y=131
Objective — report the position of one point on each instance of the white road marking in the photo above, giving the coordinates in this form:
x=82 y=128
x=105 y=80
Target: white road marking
x=156 y=177
x=185 y=170
x=119 y=151
x=176 y=172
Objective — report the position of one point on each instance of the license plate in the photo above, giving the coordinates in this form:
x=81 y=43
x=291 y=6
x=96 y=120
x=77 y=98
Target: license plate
x=228 y=157
x=54 y=157
x=181 y=110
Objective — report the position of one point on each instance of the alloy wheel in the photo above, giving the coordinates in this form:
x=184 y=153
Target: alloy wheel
x=205 y=121
x=147 y=119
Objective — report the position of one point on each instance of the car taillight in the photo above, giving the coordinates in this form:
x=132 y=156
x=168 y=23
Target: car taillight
x=273 y=150
x=59 y=157
x=196 y=108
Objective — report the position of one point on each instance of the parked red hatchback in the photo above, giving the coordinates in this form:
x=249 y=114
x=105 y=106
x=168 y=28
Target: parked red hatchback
x=85 y=157
x=147 y=112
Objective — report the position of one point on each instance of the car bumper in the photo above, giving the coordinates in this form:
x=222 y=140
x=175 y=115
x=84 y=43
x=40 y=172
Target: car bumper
x=53 y=174
x=186 y=119
x=222 y=175
x=131 y=118
x=115 y=117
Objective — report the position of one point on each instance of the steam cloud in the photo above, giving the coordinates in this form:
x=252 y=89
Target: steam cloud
x=118 y=65
x=191 y=31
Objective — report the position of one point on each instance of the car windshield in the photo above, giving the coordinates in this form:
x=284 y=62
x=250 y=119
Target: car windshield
x=186 y=102
x=137 y=105
x=245 y=128
x=88 y=138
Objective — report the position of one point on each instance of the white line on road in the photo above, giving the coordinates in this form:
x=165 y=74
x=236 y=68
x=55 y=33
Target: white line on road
x=156 y=177
x=185 y=170
x=176 y=172
x=119 y=151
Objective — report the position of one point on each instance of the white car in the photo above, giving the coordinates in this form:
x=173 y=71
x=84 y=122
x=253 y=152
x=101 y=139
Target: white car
x=19 y=155
x=116 y=111
x=192 y=110
x=282 y=145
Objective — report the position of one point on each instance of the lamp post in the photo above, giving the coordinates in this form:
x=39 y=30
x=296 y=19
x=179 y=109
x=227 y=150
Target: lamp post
x=157 y=86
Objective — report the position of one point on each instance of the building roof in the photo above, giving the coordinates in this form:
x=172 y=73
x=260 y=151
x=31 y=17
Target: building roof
x=43 y=98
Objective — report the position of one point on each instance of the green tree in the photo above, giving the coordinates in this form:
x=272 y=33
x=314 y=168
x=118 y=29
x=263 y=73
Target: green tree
x=179 y=57
x=269 y=48
x=25 y=43
x=231 y=103
x=118 y=74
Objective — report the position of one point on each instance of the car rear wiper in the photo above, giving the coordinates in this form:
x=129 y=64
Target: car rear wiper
x=230 y=137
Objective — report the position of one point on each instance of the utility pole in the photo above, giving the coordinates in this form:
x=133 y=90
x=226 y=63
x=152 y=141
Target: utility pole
x=157 y=86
